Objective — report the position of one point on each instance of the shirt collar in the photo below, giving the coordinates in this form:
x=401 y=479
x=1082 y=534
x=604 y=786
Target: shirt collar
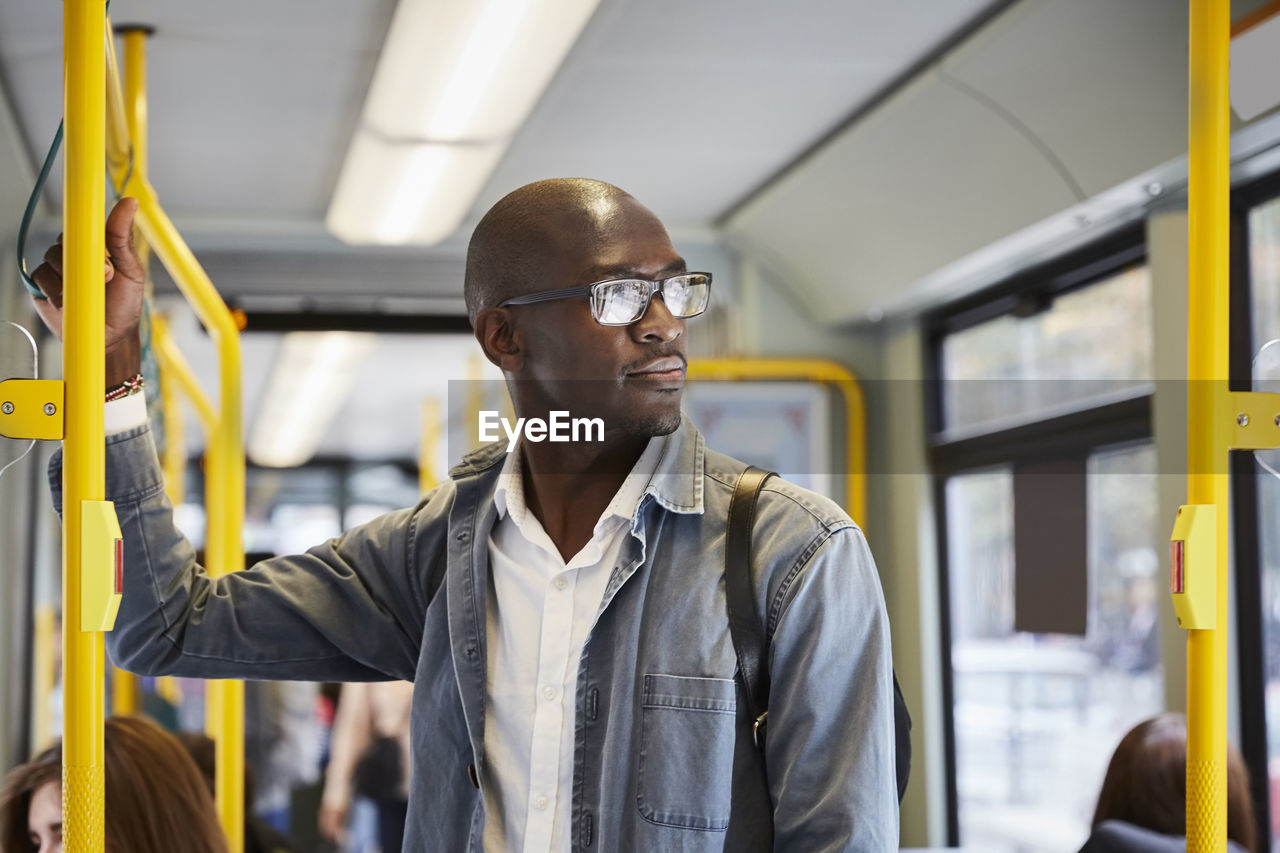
x=509 y=495
x=676 y=484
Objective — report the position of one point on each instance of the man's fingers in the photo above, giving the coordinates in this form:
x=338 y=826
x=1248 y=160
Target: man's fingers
x=50 y=284
x=120 y=238
x=53 y=258
x=51 y=315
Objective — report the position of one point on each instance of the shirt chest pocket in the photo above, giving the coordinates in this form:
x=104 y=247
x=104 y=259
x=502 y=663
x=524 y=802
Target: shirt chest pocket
x=685 y=772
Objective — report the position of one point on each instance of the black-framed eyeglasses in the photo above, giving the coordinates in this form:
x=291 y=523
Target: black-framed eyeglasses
x=622 y=301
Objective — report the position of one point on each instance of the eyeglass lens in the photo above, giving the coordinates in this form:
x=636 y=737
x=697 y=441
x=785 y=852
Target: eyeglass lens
x=620 y=303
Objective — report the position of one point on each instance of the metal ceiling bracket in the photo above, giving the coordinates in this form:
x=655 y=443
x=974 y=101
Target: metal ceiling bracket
x=31 y=408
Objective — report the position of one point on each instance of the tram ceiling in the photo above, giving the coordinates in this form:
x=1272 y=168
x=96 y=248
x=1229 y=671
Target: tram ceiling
x=864 y=146
x=861 y=147
x=689 y=105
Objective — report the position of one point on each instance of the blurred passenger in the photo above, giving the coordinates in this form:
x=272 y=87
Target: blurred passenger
x=1142 y=806
x=156 y=801
x=259 y=836
x=281 y=744
x=369 y=758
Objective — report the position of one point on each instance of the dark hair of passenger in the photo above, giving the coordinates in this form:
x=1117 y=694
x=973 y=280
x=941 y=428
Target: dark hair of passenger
x=156 y=799
x=1146 y=783
x=15 y=797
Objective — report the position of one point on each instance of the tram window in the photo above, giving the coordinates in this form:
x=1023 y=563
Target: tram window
x=1264 y=270
x=1264 y=274
x=1089 y=344
x=1038 y=715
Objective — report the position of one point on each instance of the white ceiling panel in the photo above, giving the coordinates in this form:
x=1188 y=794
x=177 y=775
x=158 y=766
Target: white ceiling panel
x=1102 y=85
x=883 y=205
x=690 y=106
x=251 y=104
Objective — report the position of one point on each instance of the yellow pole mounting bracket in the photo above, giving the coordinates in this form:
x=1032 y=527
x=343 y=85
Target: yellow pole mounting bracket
x=1193 y=583
x=1257 y=420
x=102 y=566
x=31 y=408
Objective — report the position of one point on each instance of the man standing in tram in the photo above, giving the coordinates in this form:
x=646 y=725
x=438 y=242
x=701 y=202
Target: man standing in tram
x=561 y=608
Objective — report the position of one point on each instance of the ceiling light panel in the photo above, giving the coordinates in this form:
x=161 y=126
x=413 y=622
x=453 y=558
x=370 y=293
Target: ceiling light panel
x=392 y=193
x=453 y=71
x=312 y=377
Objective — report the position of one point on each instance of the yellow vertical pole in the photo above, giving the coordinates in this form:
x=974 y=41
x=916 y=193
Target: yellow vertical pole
x=174 y=462
x=46 y=622
x=474 y=401
x=224 y=497
x=430 y=444
x=1209 y=433
x=124 y=692
x=135 y=97
x=224 y=484
x=125 y=140
x=83 y=478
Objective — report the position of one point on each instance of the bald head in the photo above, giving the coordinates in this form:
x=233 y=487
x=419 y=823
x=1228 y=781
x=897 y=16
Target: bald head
x=510 y=247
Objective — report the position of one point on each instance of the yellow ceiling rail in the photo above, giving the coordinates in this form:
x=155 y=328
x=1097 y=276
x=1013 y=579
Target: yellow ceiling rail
x=810 y=370
x=224 y=483
x=83 y=477
x=1209 y=422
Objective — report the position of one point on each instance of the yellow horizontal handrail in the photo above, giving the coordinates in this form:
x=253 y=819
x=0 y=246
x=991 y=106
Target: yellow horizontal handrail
x=811 y=370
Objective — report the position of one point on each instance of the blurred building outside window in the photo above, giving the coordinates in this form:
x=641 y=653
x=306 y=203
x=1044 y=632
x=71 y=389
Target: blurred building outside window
x=1037 y=716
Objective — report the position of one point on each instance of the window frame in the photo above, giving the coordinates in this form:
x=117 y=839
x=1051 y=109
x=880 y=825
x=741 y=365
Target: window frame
x=1246 y=532
x=1076 y=433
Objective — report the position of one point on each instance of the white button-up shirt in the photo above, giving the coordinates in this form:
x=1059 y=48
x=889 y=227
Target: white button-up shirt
x=540 y=610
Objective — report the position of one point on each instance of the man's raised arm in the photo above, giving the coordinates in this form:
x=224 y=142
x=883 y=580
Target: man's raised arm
x=349 y=609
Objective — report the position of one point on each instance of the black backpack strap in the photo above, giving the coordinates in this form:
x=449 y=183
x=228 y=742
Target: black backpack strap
x=745 y=624
x=750 y=643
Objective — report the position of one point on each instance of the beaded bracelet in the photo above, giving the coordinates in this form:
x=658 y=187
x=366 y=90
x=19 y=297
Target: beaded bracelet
x=125 y=389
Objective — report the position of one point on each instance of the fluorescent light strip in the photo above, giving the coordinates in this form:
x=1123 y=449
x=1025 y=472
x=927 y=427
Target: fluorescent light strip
x=477 y=67
x=450 y=72
x=395 y=194
x=313 y=374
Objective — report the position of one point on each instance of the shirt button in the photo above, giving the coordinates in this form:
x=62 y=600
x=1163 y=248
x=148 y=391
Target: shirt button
x=561 y=583
x=548 y=692
x=541 y=803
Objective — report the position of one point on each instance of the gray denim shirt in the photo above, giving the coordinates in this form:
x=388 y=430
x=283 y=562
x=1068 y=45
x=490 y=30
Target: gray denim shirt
x=663 y=756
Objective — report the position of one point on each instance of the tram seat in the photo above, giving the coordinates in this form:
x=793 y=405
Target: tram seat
x=1117 y=836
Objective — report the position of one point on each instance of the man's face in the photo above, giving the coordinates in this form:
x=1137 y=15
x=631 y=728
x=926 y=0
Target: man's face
x=630 y=376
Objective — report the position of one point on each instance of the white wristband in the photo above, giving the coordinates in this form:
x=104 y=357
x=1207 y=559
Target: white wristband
x=125 y=413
